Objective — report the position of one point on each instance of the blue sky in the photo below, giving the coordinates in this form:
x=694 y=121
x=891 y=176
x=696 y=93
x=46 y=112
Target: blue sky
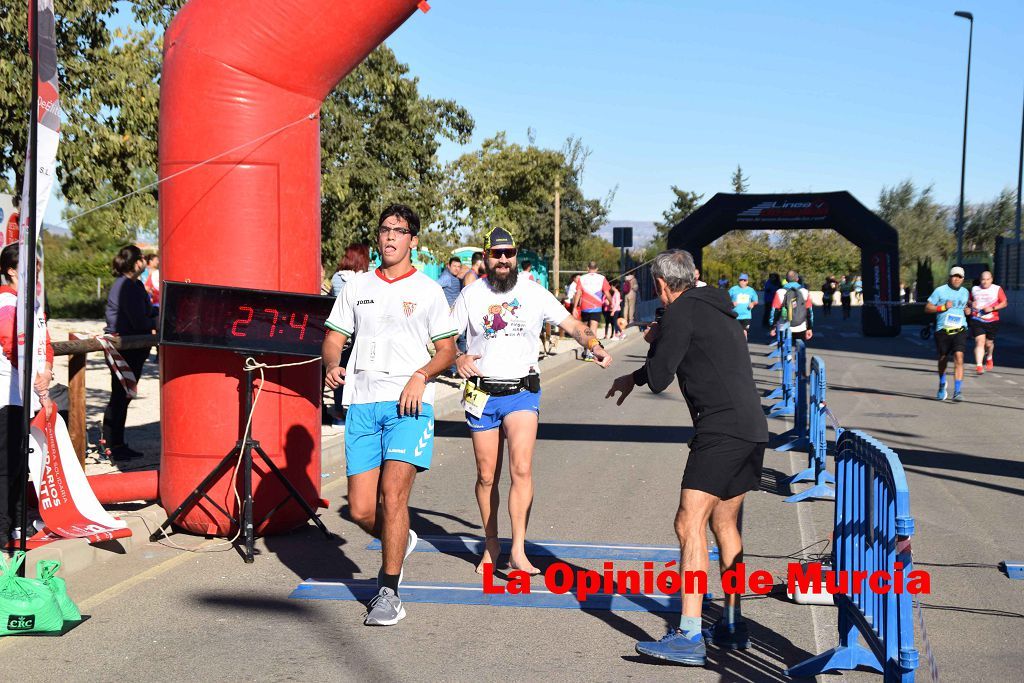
x=805 y=96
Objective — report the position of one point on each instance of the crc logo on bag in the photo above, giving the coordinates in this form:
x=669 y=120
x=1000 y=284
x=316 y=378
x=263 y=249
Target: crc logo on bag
x=21 y=622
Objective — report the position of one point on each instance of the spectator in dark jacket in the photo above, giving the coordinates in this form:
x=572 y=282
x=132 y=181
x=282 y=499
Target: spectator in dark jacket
x=129 y=312
x=697 y=343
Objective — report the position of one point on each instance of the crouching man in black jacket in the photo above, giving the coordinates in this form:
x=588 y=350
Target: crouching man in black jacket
x=698 y=342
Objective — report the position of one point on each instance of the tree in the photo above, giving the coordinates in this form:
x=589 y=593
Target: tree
x=922 y=223
x=989 y=220
x=379 y=140
x=683 y=205
x=510 y=185
x=109 y=83
x=739 y=181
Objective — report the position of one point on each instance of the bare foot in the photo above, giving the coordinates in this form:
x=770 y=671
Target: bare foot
x=492 y=549
x=524 y=565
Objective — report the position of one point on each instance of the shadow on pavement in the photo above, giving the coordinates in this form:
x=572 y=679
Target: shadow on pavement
x=766 y=660
x=307 y=554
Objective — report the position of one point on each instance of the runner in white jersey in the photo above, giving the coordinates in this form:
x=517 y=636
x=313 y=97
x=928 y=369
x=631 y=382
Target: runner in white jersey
x=502 y=315
x=394 y=312
x=987 y=299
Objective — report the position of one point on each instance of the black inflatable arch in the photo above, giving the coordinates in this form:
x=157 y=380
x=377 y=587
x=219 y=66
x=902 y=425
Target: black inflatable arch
x=878 y=241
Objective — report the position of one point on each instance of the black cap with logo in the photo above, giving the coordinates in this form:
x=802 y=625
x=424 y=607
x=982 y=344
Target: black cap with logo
x=499 y=237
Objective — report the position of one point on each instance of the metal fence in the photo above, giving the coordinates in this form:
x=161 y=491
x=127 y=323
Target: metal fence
x=872 y=533
x=816 y=408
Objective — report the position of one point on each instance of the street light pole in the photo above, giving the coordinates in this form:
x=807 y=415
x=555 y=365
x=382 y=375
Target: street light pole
x=1016 y=222
x=963 y=158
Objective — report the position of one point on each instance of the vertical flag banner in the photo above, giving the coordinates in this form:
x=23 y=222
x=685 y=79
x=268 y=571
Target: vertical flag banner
x=43 y=166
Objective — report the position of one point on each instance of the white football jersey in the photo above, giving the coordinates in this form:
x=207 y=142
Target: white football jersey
x=392 y=321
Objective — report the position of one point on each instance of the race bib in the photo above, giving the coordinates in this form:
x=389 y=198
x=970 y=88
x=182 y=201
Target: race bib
x=742 y=299
x=374 y=354
x=474 y=399
x=955 y=319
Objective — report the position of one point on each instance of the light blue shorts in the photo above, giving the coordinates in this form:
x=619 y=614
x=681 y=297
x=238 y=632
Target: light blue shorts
x=499 y=406
x=375 y=432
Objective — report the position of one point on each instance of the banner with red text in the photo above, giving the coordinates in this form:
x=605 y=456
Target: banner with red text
x=67 y=504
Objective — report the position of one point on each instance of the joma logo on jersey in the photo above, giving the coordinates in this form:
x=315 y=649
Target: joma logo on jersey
x=364 y=301
x=21 y=622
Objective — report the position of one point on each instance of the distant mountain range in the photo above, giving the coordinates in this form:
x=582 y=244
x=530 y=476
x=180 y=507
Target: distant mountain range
x=644 y=232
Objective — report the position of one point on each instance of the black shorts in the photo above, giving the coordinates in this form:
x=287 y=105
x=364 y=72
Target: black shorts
x=723 y=465
x=801 y=335
x=947 y=343
x=593 y=316
x=745 y=324
x=979 y=327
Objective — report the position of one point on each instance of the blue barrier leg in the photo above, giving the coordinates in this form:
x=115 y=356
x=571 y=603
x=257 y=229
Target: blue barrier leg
x=798 y=442
x=803 y=475
x=838 y=658
x=848 y=656
x=774 y=393
x=820 y=491
x=782 y=408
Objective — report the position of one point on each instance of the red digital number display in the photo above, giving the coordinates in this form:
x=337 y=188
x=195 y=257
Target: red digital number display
x=244 y=320
x=240 y=321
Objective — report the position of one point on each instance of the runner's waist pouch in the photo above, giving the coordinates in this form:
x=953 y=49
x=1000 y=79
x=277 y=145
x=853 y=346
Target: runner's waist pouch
x=507 y=387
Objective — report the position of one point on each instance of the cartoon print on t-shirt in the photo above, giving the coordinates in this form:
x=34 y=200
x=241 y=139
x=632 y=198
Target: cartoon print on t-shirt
x=494 y=322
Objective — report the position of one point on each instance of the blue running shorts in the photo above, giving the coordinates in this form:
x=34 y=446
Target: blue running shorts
x=375 y=432
x=499 y=406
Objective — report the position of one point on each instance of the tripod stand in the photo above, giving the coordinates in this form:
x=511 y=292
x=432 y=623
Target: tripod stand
x=244 y=448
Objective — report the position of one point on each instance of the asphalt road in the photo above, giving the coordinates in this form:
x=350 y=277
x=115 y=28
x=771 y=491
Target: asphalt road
x=603 y=474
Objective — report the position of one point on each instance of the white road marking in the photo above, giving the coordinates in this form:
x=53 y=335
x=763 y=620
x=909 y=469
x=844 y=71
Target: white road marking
x=805 y=541
x=1010 y=381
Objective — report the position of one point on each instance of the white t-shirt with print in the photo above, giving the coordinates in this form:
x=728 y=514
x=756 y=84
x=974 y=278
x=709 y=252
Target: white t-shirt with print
x=392 y=321
x=504 y=329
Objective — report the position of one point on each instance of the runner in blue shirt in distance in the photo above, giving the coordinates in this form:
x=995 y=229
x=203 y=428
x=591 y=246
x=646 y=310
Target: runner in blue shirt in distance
x=949 y=301
x=744 y=298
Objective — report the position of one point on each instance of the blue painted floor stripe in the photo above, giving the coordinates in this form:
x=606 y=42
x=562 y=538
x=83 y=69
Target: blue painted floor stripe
x=566 y=550
x=472 y=594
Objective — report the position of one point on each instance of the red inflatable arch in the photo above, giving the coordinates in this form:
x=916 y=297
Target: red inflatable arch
x=235 y=70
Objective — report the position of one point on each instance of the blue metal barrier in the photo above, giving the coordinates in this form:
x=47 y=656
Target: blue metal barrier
x=779 y=350
x=787 y=391
x=872 y=533
x=816 y=468
x=796 y=438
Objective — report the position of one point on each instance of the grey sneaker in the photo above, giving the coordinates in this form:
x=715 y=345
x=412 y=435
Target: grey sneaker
x=385 y=609
x=409 y=547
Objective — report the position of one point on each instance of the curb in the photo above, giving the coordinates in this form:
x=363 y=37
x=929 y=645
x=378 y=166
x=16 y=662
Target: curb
x=76 y=554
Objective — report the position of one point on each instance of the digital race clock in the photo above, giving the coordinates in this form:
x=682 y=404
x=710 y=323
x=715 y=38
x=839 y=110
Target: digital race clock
x=244 y=320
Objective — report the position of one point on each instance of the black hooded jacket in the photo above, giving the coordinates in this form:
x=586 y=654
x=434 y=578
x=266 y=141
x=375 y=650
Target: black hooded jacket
x=700 y=343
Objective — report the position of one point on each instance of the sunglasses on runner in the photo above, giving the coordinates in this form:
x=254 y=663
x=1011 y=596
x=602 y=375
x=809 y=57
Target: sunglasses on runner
x=509 y=253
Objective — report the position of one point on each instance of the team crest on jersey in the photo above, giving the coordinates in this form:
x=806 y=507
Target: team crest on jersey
x=498 y=316
x=408 y=307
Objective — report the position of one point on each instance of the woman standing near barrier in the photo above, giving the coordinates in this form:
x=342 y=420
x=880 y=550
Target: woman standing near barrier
x=129 y=312
x=12 y=474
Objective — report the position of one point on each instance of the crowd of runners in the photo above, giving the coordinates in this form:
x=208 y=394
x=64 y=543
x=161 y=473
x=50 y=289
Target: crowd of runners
x=484 y=323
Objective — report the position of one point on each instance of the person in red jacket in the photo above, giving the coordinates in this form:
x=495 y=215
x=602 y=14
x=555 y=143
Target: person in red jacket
x=12 y=472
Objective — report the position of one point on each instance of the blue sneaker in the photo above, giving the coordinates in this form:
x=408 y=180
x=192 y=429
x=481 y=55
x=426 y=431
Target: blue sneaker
x=941 y=396
x=958 y=396
x=734 y=637
x=675 y=647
